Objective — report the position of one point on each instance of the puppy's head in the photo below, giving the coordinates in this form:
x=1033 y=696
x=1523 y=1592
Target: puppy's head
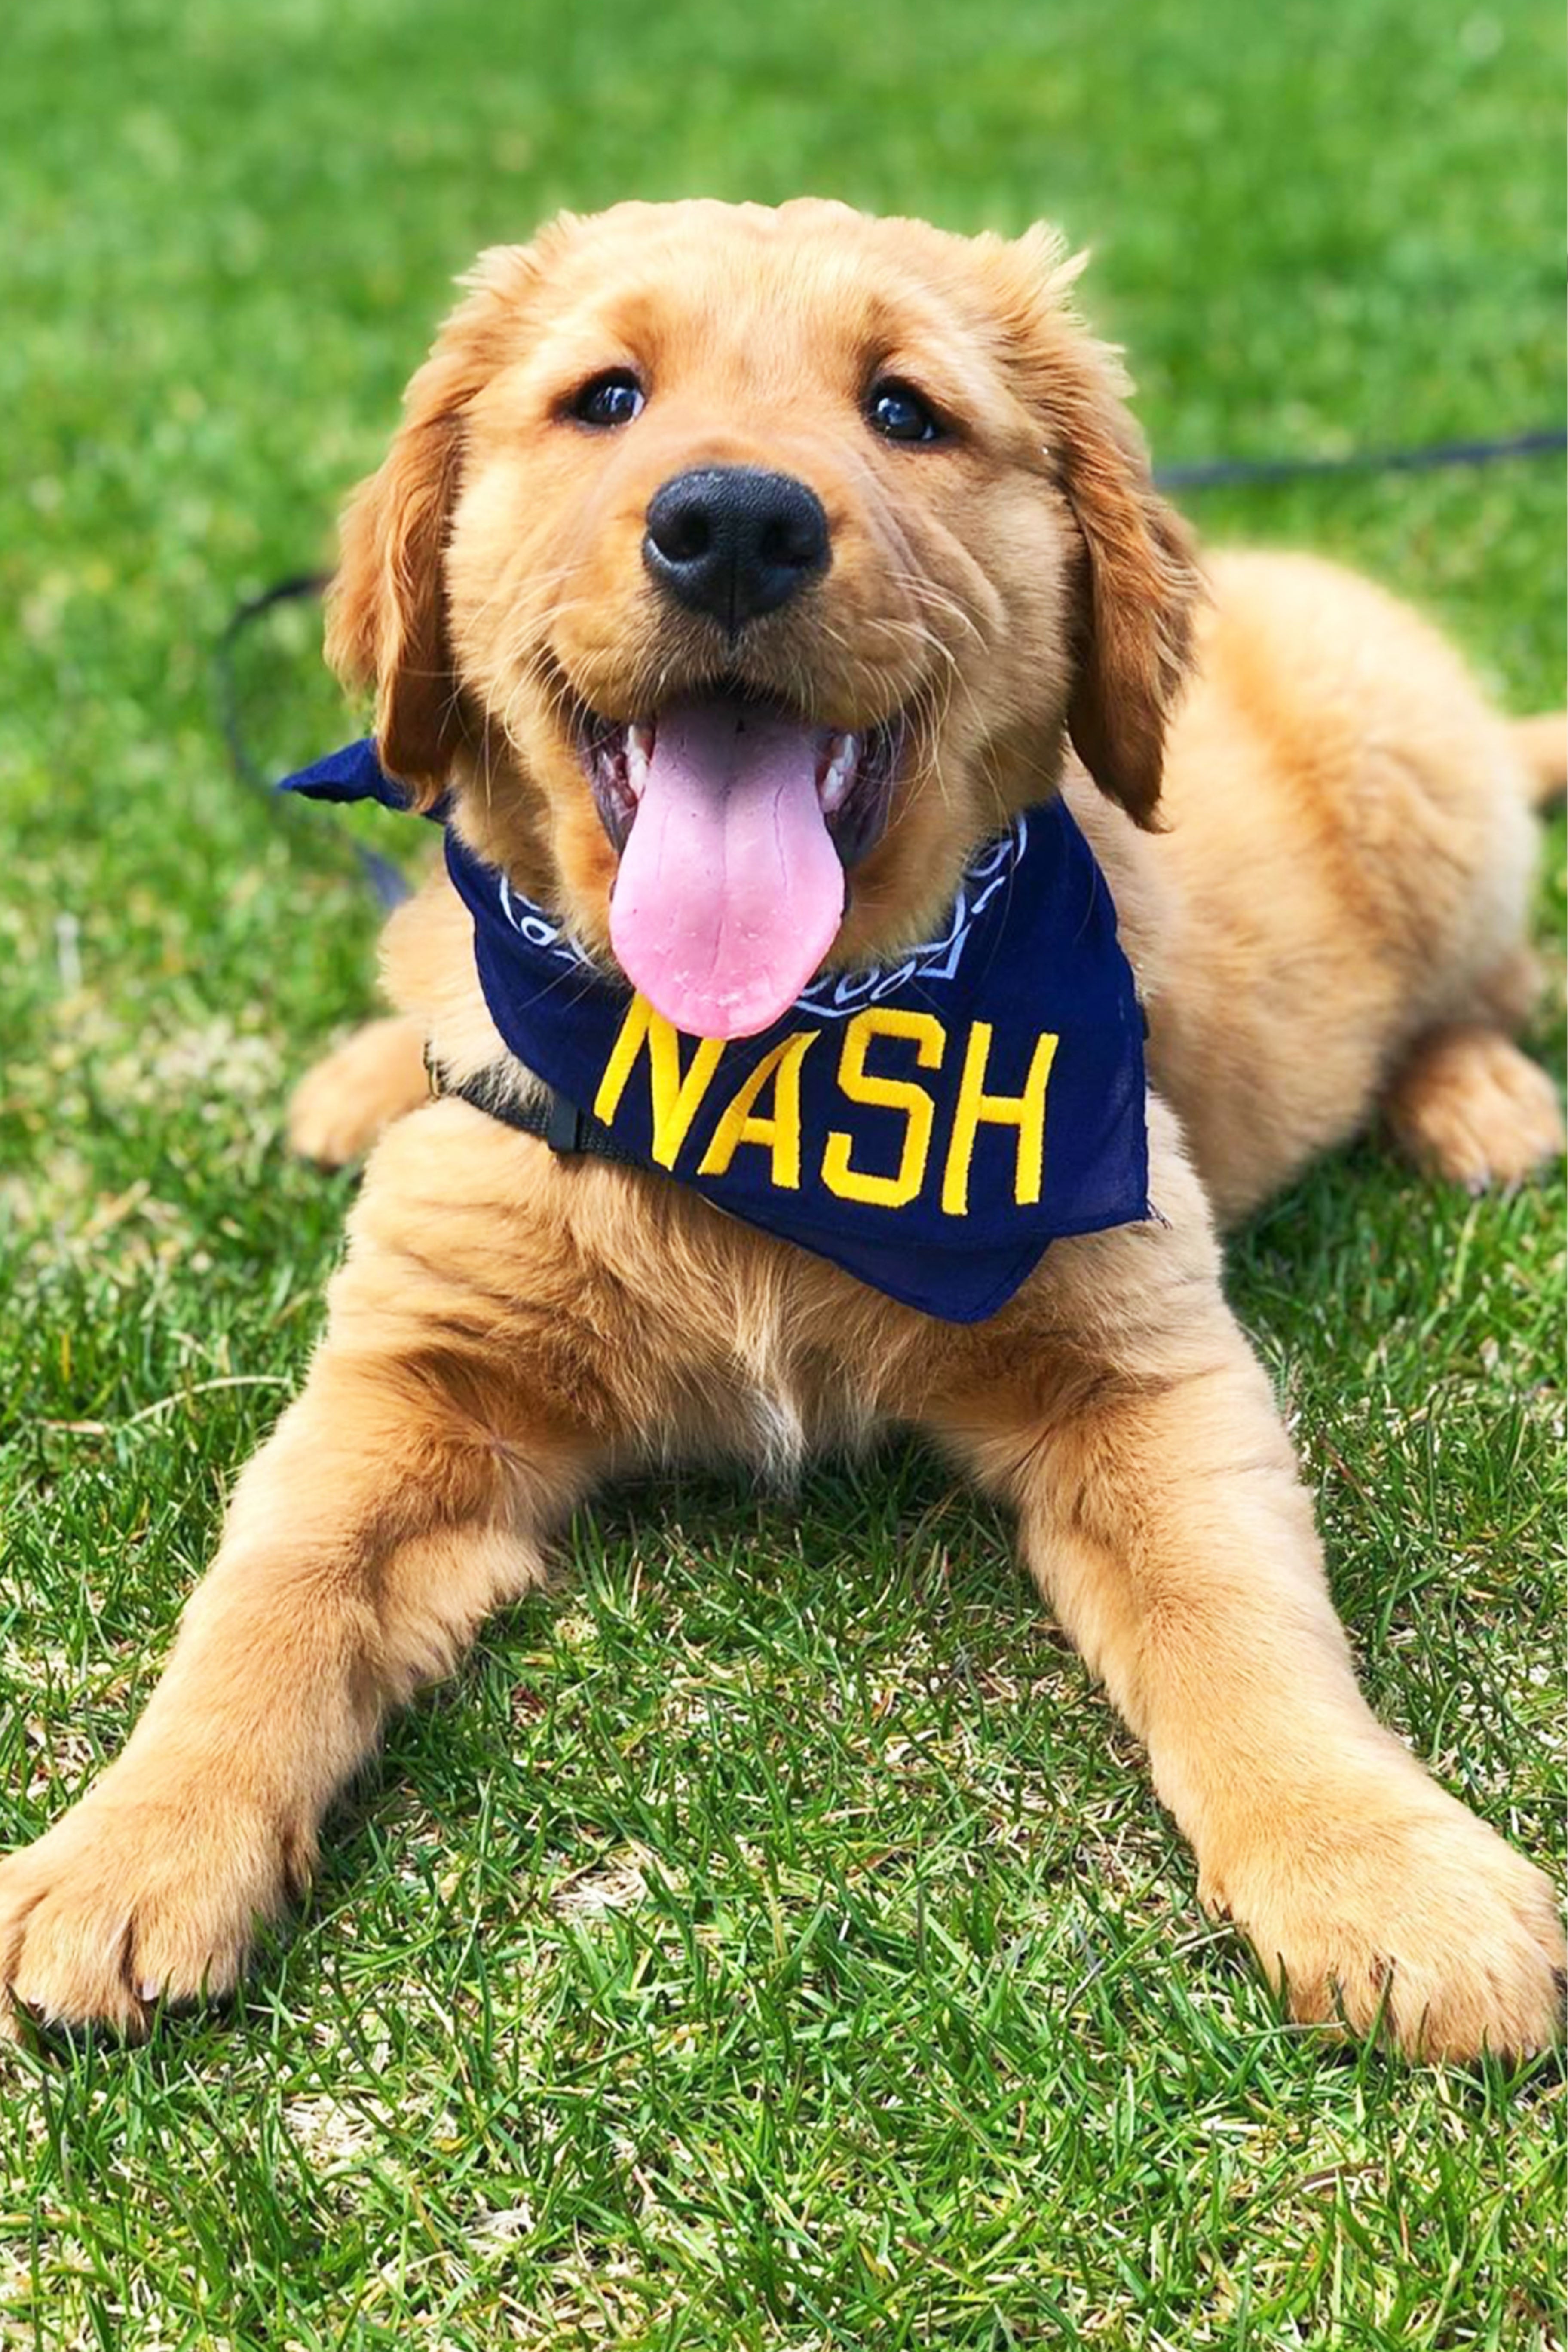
x=740 y=571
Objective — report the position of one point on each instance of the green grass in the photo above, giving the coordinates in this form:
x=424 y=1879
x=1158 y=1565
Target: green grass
x=770 y=1940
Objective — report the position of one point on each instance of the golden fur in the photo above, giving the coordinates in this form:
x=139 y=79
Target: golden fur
x=1323 y=885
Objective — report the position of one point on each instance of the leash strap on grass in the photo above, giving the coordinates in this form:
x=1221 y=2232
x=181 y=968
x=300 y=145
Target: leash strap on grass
x=390 y=885
x=1217 y=473
x=282 y=592
x=387 y=881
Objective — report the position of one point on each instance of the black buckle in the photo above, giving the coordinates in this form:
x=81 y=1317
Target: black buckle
x=563 y=1126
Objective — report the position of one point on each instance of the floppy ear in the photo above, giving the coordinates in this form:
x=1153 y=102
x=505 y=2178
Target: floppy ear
x=1140 y=584
x=386 y=608
x=1135 y=622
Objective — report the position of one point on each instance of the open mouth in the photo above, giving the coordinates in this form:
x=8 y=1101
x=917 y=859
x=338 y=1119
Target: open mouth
x=853 y=771
x=736 y=819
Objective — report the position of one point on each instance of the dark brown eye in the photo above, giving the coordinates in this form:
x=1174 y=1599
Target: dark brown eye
x=607 y=400
x=898 y=412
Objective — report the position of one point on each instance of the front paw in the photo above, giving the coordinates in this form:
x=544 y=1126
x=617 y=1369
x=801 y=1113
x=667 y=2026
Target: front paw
x=132 y=1898
x=341 y=1106
x=1414 y=1917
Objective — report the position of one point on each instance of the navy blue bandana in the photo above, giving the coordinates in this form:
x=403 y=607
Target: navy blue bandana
x=930 y=1126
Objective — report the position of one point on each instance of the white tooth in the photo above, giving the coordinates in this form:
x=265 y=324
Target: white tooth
x=639 y=752
x=844 y=757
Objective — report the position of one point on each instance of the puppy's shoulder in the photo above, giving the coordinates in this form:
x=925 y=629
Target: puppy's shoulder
x=428 y=972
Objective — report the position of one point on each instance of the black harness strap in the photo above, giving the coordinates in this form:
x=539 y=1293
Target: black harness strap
x=569 y=1132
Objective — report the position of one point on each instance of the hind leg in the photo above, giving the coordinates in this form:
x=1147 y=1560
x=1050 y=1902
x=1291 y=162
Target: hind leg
x=1469 y=1104
x=341 y=1106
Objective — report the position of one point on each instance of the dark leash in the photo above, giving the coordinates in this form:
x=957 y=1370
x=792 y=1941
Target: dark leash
x=387 y=881
x=1220 y=473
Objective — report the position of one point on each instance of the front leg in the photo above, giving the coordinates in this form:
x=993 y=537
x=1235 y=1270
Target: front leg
x=402 y=1497
x=1160 y=1513
x=346 y=1101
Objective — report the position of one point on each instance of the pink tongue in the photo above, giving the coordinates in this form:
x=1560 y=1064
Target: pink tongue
x=729 y=891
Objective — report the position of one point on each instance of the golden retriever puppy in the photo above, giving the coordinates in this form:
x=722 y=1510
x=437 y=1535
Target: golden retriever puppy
x=765 y=595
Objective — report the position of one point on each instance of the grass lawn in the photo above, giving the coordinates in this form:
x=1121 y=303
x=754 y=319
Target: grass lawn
x=770 y=1939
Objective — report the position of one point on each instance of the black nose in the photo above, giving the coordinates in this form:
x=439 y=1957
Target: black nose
x=733 y=541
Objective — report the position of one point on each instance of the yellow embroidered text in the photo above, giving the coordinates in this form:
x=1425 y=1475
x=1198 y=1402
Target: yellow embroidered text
x=781 y=1133
x=677 y=1094
x=976 y=1108
x=851 y=1183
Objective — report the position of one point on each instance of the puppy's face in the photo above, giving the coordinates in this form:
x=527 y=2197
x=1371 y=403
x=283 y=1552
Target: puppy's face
x=743 y=570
